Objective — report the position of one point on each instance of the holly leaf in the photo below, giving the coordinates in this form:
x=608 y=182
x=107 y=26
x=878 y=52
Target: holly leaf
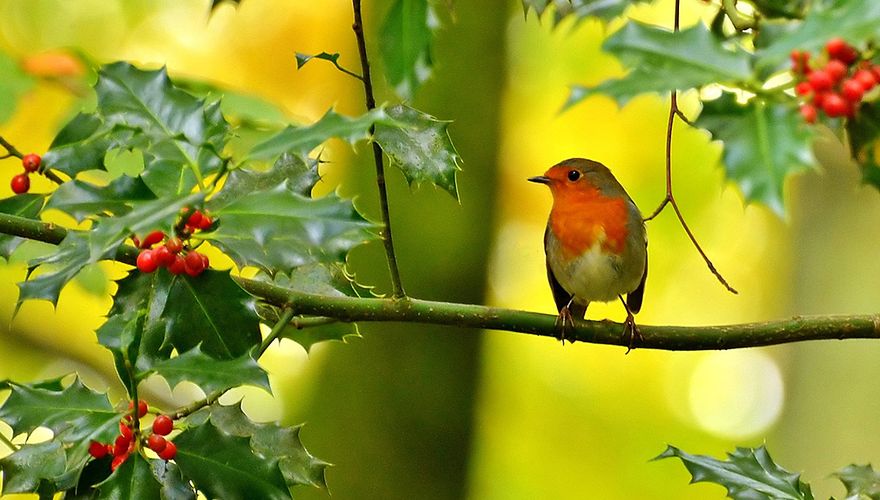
x=302 y=59
x=224 y=466
x=68 y=259
x=82 y=145
x=297 y=465
x=420 y=146
x=133 y=480
x=300 y=140
x=406 y=36
x=26 y=205
x=748 y=474
x=213 y=311
x=212 y=374
x=578 y=10
x=277 y=229
x=863 y=134
x=82 y=199
x=663 y=60
x=174 y=485
x=861 y=481
x=33 y=468
x=764 y=143
x=298 y=172
x=853 y=20
x=788 y=9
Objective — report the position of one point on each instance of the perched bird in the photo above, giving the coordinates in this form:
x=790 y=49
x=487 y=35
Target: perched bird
x=595 y=241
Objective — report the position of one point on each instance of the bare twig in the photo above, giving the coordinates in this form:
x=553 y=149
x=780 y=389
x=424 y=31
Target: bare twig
x=12 y=151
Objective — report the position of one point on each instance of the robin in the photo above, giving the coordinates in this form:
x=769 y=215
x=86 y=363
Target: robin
x=595 y=241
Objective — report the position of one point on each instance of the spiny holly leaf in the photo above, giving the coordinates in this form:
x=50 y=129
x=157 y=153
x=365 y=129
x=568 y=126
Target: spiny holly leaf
x=82 y=144
x=299 y=140
x=224 y=466
x=406 y=37
x=300 y=173
x=789 y=9
x=33 y=468
x=863 y=133
x=174 y=486
x=277 y=229
x=67 y=261
x=298 y=466
x=861 y=481
x=302 y=59
x=578 y=9
x=82 y=199
x=764 y=143
x=853 y=20
x=211 y=374
x=420 y=147
x=663 y=60
x=23 y=205
x=213 y=311
x=748 y=474
x=133 y=480
x=181 y=136
x=13 y=84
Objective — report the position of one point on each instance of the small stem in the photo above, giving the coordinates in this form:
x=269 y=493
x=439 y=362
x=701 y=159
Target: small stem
x=358 y=27
x=740 y=22
x=198 y=405
x=8 y=442
x=10 y=148
x=283 y=320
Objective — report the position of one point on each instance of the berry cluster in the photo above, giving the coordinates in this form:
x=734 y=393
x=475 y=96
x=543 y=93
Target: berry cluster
x=171 y=254
x=835 y=87
x=21 y=183
x=126 y=442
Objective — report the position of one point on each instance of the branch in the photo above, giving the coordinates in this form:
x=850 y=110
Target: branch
x=13 y=151
x=672 y=338
x=358 y=27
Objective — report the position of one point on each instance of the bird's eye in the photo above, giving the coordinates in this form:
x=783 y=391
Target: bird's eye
x=573 y=175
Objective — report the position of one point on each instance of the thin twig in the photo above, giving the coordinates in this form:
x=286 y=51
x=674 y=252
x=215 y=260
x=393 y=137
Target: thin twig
x=277 y=330
x=358 y=27
x=8 y=442
x=669 y=199
x=10 y=148
x=359 y=309
x=12 y=151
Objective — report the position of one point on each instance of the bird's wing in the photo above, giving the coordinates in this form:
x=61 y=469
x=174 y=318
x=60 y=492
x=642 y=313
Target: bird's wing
x=634 y=298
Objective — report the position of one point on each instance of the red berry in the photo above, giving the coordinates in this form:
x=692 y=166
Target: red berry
x=20 y=183
x=97 y=450
x=803 y=88
x=194 y=263
x=836 y=69
x=117 y=461
x=156 y=442
x=820 y=80
x=120 y=446
x=852 y=90
x=174 y=244
x=142 y=408
x=169 y=452
x=839 y=49
x=835 y=106
x=146 y=261
x=206 y=222
x=866 y=77
x=799 y=61
x=195 y=220
x=162 y=425
x=124 y=430
x=163 y=256
x=152 y=238
x=819 y=98
x=205 y=262
x=808 y=111
x=31 y=162
x=178 y=265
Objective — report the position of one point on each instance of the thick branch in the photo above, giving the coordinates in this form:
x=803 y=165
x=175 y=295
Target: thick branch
x=674 y=338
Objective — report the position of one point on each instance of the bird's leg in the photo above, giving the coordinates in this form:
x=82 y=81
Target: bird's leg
x=630 y=326
x=564 y=319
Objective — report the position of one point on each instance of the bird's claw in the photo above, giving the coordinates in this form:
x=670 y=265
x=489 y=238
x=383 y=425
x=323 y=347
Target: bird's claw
x=630 y=327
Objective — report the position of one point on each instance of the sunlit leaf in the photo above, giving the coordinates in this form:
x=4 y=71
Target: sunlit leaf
x=298 y=173
x=133 y=480
x=26 y=205
x=211 y=374
x=33 y=468
x=407 y=36
x=82 y=199
x=861 y=481
x=578 y=9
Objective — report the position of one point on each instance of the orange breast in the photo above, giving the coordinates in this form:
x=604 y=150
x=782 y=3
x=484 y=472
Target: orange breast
x=580 y=218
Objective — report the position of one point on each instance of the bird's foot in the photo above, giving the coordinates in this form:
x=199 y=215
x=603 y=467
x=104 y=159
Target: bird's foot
x=632 y=330
x=564 y=321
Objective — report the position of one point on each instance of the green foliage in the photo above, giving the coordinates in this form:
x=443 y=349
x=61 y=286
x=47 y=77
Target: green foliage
x=578 y=9
x=23 y=205
x=33 y=468
x=14 y=83
x=861 y=481
x=134 y=479
x=748 y=474
x=407 y=36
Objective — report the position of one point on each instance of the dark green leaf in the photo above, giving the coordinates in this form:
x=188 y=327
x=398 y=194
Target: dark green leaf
x=764 y=143
x=748 y=474
x=300 y=140
x=406 y=37
x=34 y=467
x=14 y=83
x=579 y=9
x=277 y=229
x=213 y=311
x=855 y=21
x=133 y=480
x=663 y=60
x=863 y=134
x=297 y=172
x=420 y=146
x=82 y=144
x=71 y=255
x=781 y=8
x=861 y=481
x=298 y=466
x=23 y=205
x=174 y=486
x=224 y=466
x=211 y=374
x=82 y=199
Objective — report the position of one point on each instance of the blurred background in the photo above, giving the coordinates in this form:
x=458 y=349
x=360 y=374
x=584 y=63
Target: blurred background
x=410 y=411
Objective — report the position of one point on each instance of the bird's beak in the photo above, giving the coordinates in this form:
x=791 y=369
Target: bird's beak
x=540 y=179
